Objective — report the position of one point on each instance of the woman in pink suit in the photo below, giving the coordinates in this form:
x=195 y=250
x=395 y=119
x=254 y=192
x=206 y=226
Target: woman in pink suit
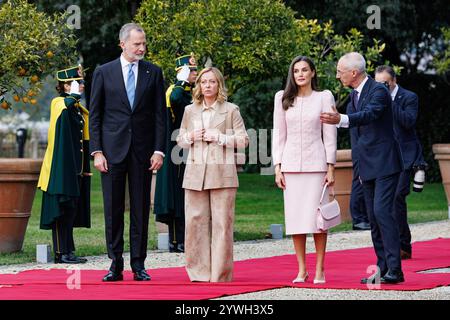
x=304 y=154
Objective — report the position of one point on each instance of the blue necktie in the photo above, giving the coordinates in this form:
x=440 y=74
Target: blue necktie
x=354 y=96
x=130 y=85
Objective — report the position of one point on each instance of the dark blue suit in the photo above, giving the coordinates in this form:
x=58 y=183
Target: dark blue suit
x=380 y=163
x=405 y=108
x=128 y=136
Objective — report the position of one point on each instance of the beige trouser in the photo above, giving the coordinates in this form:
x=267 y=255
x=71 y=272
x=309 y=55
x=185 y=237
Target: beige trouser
x=209 y=234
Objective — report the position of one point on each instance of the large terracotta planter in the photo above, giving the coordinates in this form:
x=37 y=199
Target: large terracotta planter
x=343 y=182
x=18 y=181
x=442 y=154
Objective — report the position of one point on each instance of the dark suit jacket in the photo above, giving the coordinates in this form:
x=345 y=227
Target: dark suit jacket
x=405 y=108
x=378 y=151
x=114 y=127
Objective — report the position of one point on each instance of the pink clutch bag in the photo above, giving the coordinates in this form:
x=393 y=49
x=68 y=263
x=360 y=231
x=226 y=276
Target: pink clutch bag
x=328 y=214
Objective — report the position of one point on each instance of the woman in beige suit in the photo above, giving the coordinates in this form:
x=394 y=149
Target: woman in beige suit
x=304 y=154
x=211 y=128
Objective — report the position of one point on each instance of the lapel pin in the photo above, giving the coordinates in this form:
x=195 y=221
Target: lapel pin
x=148 y=71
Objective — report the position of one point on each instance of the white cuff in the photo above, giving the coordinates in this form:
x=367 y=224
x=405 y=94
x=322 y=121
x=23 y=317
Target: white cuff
x=96 y=151
x=344 y=122
x=160 y=153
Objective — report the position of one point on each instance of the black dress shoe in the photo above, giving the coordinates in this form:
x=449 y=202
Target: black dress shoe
x=370 y=280
x=392 y=277
x=67 y=258
x=373 y=279
x=361 y=226
x=141 y=275
x=113 y=276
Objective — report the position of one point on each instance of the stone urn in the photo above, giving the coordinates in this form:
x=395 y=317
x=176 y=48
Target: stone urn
x=18 y=182
x=442 y=155
x=343 y=181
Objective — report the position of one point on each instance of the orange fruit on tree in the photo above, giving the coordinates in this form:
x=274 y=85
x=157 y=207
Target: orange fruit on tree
x=22 y=71
x=4 y=105
x=33 y=101
x=50 y=54
x=34 y=79
x=16 y=98
x=25 y=100
x=31 y=93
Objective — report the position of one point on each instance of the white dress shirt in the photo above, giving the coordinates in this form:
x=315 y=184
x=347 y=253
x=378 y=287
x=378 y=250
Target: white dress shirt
x=125 y=69
x=344 y=122
x=394 y=92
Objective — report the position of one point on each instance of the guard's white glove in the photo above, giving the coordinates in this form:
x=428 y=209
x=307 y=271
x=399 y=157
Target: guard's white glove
x=183 y=74
x=75 y=88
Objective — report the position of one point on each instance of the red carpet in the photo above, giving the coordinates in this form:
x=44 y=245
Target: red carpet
x=344 y=269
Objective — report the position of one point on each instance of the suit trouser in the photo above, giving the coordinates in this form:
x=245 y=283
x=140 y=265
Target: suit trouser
x=113 y=185
x=62 y=230
x=379 y=195
x=403 y=189
x=357 y=205
x=209 y=234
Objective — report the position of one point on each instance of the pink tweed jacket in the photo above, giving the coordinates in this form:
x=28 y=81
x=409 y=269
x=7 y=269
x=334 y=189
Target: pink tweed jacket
x=301 y=143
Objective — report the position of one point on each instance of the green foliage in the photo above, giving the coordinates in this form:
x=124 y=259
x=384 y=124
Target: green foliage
x=100 y=24
x=256 y=102
x=32 y=45
x=410 y=29
x=247 y=40
x=442 y=60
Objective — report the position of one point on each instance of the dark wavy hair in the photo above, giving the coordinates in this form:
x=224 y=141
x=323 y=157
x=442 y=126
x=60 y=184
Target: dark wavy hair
x=291 y=89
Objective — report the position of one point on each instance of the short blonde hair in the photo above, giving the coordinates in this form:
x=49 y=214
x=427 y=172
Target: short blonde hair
x=197 y=96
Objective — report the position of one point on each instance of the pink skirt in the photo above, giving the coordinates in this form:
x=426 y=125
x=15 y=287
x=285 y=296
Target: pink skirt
x=301 y=199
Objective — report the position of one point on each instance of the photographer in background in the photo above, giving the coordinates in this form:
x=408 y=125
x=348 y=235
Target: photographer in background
x=405 y=108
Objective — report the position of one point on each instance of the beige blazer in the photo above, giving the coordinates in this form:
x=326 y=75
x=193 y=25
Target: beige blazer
x=211 y=165
x=301 y=143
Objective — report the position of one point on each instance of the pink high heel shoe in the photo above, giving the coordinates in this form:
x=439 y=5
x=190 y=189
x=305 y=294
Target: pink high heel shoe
x=301 y=280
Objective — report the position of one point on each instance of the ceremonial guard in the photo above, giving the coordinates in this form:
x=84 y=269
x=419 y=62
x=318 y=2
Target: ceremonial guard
x=65 y=173
x=169 y=194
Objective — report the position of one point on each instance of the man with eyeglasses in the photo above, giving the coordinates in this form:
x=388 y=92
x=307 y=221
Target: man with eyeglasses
x=379 y=157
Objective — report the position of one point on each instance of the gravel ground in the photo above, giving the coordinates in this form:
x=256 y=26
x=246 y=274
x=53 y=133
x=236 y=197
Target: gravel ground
x=268 y=248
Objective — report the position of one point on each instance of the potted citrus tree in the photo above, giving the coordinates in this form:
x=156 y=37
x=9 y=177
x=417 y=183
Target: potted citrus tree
x=442 y=155
x=33 y=45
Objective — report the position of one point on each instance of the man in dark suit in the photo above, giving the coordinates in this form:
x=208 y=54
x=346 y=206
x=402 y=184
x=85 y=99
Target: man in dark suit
x=379 y=157
x=405 y=105
x=127 y=131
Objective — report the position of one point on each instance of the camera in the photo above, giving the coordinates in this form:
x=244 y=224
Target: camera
x=419 y=178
